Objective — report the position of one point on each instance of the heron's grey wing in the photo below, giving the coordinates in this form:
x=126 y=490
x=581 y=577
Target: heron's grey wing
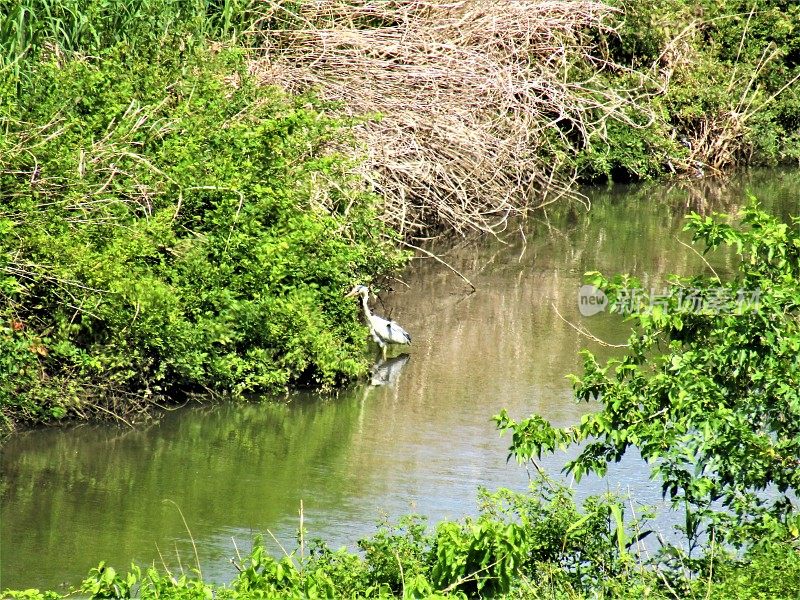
x=397 y=334
x=380 y=330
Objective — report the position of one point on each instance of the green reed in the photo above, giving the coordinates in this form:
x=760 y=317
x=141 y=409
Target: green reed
x=28 y=27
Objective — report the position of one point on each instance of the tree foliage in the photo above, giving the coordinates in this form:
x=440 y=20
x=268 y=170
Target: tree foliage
x=709 y=389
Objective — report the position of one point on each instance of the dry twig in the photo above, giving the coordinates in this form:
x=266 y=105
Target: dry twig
x=470 y=94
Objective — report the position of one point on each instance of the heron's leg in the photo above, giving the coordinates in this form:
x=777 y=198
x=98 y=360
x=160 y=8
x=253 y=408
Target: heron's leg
x=378 y=357
x=383 y=347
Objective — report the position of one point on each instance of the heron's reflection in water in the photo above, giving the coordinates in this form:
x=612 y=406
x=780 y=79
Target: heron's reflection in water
x=386 y=371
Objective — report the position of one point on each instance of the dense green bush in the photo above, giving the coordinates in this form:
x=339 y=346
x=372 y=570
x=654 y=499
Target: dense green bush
x=170 y=225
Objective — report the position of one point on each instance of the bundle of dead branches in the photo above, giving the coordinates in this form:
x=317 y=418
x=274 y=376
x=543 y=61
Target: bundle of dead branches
x=475 y=97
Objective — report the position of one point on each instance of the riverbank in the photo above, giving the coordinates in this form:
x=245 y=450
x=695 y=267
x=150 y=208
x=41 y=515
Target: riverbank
x=174 y=224
x=536 y=546
x=170 y=227
x=490 y=109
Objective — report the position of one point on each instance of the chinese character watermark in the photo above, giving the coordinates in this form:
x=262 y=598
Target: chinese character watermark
x=708 y=301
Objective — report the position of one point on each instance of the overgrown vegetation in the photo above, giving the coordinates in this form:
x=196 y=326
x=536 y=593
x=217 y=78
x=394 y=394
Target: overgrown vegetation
x=727 y=76
x=169 y=226
x=171 y=222
x=537 y=545
x=480 y=103
x=489 y=109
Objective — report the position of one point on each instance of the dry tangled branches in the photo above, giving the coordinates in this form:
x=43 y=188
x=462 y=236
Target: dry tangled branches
x=471 y=94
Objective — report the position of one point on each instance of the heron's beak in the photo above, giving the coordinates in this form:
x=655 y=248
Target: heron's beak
x=350 y=294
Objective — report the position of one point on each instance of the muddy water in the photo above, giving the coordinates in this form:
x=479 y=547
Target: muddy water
x=421 y=441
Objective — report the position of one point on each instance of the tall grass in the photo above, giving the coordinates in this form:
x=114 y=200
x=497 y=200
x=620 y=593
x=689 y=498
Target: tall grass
x=30 y=26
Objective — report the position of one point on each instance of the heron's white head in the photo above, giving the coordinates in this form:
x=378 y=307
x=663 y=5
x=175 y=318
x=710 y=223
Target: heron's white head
x=361 y=290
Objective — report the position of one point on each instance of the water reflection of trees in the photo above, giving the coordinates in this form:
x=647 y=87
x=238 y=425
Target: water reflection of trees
x=238 y=465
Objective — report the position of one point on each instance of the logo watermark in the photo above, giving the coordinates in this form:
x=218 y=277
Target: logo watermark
x=709 y=301
x=591 y=300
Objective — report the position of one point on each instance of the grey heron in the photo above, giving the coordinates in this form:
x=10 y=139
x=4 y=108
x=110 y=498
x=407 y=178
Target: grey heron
x=384 y=332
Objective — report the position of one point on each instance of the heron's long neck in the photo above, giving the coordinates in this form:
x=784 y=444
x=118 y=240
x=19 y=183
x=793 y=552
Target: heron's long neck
x=366 y=306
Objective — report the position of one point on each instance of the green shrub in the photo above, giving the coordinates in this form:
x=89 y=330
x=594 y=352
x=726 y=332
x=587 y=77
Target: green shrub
x=171 y=226
x=769 y=571
x=733 y=76
x=399 y=553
